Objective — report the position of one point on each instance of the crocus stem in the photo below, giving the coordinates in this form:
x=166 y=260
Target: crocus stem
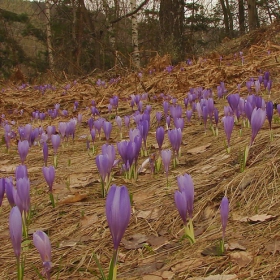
x=52 y=199
x=24 y=224
x=55 y=160
x=102 y=188
x=113 y=266
x=20 y=269
x=189 y=231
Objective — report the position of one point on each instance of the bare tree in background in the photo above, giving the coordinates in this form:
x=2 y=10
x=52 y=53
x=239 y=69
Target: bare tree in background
x=135 y=55
x=241 y=17
x=252 y=15
x=49 y=35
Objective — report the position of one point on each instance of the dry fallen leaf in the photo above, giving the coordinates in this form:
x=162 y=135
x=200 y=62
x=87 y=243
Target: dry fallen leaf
x=72 y=198
x=183 y=266
x=149 y=214
x=151 y=277
x=135 y=241
x=241 y=258
x=234 y=246
x=217 y=277
x=199 y=150
x=67 y=243
x=167 y=275
x=88 y=220
x=157 y=241
x=253 y=219
x=273 y=247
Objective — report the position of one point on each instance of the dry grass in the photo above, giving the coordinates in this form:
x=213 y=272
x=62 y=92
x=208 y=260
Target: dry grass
x=78 y=229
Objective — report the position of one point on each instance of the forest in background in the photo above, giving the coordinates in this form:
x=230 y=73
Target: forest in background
x=78 y=37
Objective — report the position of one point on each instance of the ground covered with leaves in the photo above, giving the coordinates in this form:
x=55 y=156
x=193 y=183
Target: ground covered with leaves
x=152 y=247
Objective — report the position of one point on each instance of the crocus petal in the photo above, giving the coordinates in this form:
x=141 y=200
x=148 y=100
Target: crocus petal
x=15 y=226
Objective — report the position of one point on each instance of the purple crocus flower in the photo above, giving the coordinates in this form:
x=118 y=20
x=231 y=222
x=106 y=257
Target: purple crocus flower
x=168 y=121
x=107 y=128
x=175 y=138
x=189 y=115
x=49 y=175
x=224 y=210
x=179 y=123
x=165 y=107
x=92 y=133
x=228 y=126
x=248 y=108
x=233 y=100
x=22 y=197
x=21 y=172
x=55 y=138
x=90 y=123
x=143 y=127
x=166 y=158
x=186 y=186
x=160 y=136
x=118 y=211
x=42 y=242
x=181 y=204
x=110 y=151
x=23 y=148
x=269 y=112
x=102 y=163
x=2 y=189
x=257 y=120
x=119 y=121
x=62 y=128
x=158 y=117
x=10 y=190
x=45 y=152
x=126 y=121
x=15 y=226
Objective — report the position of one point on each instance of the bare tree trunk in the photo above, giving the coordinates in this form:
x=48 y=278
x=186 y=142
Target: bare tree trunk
x=226 y=20
x=241 y=17
x=252 y=15
x=135 y=56
x=230 y=19
x=49 y=35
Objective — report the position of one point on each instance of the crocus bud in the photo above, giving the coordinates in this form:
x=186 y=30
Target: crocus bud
x=2 y=189
x=107 y=128
x=166 y=158
x=45 y=152
x=181 y=205
x=118 y=211
x=49 y=174
x=21 y=172
x=42 y=242
x=269 y=112
x=228 y=126
x=23 y=148
x=257 y=120
x=186 y=186
x=160 y=136
x=10 y=190
x=102 y=163
x=224 y=210
x=15 y=226
x=22 y=197
x=55 y=138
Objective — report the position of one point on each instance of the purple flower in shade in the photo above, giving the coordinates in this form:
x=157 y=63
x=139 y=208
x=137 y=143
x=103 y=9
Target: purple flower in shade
x=144 y=127
x=158 y=117
x=114 y=101
x=21 y=172
x=118 y=211
x=166 y=158
x=257 y=120
x=42 y=242
x=102 y=163
x=259 y=102
x=45 y=152
x=181 y=204
x=110 y=151
x=49 y=175
x=189 y=115
x=165 y=107
x=160 y=136
x=70 y=128
x=23 y=148
x=179 y=123
x=2 y=189
x=90 y=123
x=216 y=116
x=175 y=138
x=278 y=109
x=248 y=109
x=119 y=121
x=50 y=130
x=62 y=128
x=168 y=121
x=233 y=101
x=22 y=197
x=228 y=127
x=10 y=190
x=186 y=102
x=107 y=128
x=224 y=210
x=126 y=121
x=94 y=111
x=98 y=125
x=55 y=138
x=269 y=112
x=186 y=186
x=15 y=226
x=92 y=133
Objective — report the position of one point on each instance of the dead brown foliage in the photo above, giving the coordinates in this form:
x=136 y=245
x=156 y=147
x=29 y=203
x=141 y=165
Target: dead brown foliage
x=152 y=248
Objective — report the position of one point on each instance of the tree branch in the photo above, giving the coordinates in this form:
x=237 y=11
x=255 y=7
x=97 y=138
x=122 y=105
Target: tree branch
x=131 y=13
